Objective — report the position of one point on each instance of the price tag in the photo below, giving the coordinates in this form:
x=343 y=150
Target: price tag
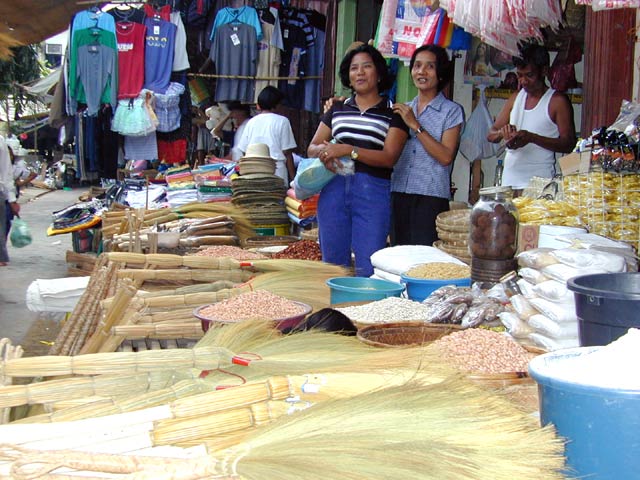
x=156 y=29
x=285 y=34
x=235 y=39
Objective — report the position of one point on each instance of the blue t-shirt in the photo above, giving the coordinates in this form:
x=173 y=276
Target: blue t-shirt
x=246 y=14
x=158 y=54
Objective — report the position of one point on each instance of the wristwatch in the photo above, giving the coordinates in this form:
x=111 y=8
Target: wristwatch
x=419 y=130
x=354 y=153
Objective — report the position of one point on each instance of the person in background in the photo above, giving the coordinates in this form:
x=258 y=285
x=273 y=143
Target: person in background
x=534 y=123
x=240 y=114
x=421 y=180
x=273 y=129
x=354 y=210
x=8 y=195
x=22 y=176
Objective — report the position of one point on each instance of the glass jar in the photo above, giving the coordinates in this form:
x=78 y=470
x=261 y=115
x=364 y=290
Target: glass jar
x=494 y=225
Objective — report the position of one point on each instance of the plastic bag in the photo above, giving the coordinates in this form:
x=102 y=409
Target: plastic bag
x=311 y=178
x=473 y=141
x=544 y=325
x=554 y=291
x=582 y=258
x=537 y=258
x=551 y=344
x=20 y=233
x=516 y=327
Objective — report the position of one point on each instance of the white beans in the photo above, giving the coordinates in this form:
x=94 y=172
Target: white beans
x=391 y=309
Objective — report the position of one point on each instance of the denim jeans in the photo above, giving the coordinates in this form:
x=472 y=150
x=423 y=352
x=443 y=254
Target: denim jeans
x=354 y=214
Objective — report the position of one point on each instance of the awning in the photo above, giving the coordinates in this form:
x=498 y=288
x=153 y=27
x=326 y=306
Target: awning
x=43 y=87
x=33 y=21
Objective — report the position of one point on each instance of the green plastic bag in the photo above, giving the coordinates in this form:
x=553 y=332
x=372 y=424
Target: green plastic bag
x=20 y=233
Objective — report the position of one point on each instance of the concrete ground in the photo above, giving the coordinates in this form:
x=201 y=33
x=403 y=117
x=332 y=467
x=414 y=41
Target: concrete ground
x=43 y=259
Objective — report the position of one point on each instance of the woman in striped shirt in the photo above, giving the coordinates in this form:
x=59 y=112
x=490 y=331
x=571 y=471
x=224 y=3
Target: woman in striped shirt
x=354 y=210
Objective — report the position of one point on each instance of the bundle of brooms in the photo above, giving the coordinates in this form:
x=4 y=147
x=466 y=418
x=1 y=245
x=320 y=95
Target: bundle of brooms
x=448 y=430
x=85 y=332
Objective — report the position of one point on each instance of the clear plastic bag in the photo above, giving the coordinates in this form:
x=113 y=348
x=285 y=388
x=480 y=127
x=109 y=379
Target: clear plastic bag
x=311 y=178
x=20 y=233
x=473 y=141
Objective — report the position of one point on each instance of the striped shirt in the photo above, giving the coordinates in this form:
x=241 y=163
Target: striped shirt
x=417 y=172
x=367 y=129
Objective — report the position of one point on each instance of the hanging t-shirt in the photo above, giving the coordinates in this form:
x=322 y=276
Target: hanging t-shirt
x=269 y=49
x=315 y=62
x=247 y=15
x=76 y=88
x=131 y=46
x=129 y=14
x=180 y=57
x=96 y=70
x=90 y=19
x=297 y=36
x=235 y=53
x=158 y=55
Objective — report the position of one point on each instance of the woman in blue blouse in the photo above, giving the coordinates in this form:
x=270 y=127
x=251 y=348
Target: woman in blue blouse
x=421 y=180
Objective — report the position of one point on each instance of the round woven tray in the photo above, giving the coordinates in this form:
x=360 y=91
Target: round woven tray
x=453 y=238
x=454 y=220
x=460 y=253
x=403 y=334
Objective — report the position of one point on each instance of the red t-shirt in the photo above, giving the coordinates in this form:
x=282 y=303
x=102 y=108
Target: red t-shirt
x=131 y=38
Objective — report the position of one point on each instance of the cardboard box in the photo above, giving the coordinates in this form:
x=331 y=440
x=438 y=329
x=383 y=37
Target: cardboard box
x=575 y=163
x=528 y=236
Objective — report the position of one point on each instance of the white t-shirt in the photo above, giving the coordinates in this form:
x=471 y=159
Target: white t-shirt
x=236 y=153
x=272 y=129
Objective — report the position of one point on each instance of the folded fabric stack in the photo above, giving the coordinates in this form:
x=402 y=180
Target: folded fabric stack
x=212 y=184
x=301 y=212
x=181 y=186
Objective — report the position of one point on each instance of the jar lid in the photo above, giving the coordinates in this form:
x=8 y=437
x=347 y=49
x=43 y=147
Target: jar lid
x=493 y=190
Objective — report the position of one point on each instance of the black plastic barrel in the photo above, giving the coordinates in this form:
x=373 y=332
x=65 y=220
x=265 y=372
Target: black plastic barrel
x=607 y=305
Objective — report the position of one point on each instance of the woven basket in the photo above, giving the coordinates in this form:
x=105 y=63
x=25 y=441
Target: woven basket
x=403 y=334
x=454 y=220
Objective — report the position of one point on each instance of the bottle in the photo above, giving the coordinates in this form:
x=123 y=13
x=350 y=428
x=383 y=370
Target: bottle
x=494 y=225
x=497 y=179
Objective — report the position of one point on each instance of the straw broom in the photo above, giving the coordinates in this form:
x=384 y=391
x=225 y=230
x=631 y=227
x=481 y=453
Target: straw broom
x=191 y=329
x=197 y=288
x=121 y=301
x=7 y=352
x=172 y=316
x=181 y=275
x=307 y=287
x=402 y=432
x=100 y=385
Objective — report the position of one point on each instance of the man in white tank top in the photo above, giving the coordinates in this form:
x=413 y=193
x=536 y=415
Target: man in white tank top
x=534 y=123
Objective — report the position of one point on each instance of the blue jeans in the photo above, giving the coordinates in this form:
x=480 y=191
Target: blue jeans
x=354 y=214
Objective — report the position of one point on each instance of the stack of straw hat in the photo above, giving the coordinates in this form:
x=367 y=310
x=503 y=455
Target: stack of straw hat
x=257 y=159
x=453 y=231
x=258 y=191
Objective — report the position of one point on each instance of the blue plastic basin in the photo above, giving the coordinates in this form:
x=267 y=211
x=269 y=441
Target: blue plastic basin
x=600 y=425
x=420 y=288
x=357 y=289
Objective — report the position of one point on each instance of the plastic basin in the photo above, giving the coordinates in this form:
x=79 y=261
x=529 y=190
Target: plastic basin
x=420 y=288
x=355 y=289
x=600 y=425
x=282 y=324
x=607 y=305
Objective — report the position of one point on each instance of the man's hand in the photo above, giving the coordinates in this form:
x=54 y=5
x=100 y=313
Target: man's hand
x=15 y=208
x=330 y=101
x=519 y=139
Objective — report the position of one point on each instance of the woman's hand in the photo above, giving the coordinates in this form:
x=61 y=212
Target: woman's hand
x=331 y=152
x=406 y=112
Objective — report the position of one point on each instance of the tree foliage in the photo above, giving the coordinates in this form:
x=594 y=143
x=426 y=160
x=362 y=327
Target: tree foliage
x=23 y=67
